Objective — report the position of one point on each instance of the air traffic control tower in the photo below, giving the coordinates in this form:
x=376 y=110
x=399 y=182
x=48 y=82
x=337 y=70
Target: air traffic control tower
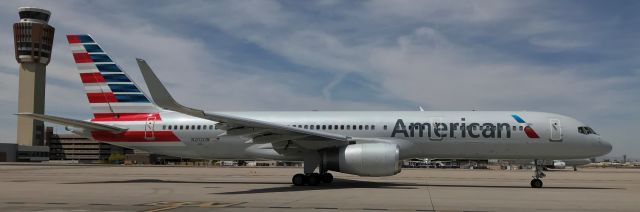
x=33 y=39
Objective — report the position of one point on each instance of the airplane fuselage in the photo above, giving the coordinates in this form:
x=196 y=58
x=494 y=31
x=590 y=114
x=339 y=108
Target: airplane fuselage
x=441 y=134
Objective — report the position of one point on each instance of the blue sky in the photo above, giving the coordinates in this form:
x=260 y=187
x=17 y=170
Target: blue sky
x=575 y=58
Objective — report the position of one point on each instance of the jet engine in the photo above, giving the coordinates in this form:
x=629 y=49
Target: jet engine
x=558 y=164
x=370 y=159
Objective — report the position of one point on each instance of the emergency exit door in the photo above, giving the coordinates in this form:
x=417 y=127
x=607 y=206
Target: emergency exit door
x=149 y=128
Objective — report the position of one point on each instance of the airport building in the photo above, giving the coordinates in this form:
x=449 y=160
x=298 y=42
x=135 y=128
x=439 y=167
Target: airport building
x=33 y=41
x=8 y=152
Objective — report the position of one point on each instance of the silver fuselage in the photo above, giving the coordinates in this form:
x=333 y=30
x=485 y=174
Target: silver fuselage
x=416 y=136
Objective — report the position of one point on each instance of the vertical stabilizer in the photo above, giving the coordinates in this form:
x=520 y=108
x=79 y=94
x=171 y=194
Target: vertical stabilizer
x=112 y=94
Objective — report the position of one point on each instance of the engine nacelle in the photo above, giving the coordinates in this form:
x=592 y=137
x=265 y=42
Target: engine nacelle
x=557 y=164
x=370 y=159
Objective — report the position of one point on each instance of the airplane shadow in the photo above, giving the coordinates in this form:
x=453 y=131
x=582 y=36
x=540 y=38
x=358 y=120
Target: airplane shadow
x=345 y=184
x=175 y=181
x=336 y=185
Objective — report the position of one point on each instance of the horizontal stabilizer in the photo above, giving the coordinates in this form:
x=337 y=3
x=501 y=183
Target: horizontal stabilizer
x=73 y=122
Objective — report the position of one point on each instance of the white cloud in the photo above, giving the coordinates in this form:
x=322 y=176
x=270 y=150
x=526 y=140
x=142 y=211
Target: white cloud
x=460 y=12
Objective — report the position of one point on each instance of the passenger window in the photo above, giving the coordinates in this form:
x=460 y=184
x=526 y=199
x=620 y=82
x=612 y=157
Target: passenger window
x=360 y=127
x=193 y=127
x=520 y=128
x=317 y=127
x=366 y=127
x=348 y=127
x=211 y=127
x=324 y=127
x=384 y=127
x=198 y=127
x=329 y=126
x=311 y=127
x=164 y=127
x=306 y=127
x=175 y=127
x=373 y=127
x=181 y=127
x=514 y=128
x=354 y=127
x=341 y=127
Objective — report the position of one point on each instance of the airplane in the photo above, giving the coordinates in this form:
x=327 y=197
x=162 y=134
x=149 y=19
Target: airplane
x=363 y=143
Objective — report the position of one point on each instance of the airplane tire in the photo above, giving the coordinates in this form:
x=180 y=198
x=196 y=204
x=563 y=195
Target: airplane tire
x=536 y=183
x=298 y=179
x=313 y=179
x=327 y=178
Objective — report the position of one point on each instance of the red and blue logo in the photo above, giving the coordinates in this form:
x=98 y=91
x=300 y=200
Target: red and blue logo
x=527 y=129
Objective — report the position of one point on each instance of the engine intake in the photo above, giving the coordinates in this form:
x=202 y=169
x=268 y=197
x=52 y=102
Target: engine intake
x=370 y=159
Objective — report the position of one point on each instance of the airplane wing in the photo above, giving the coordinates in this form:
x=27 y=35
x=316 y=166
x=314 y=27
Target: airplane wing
x=269 y=132
x=73 y=122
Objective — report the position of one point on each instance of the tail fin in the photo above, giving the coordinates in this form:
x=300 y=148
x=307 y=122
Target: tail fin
x=112 y=94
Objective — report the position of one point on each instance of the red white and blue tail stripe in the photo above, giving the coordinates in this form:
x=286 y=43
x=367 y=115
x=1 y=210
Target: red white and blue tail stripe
x=112 y=94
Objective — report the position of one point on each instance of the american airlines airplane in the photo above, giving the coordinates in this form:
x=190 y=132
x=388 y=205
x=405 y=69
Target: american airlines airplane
x=364 y=143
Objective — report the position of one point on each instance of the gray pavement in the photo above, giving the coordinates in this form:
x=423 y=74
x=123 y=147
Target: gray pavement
x=120 y=188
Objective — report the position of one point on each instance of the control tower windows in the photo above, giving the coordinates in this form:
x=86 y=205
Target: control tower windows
x=34 y=15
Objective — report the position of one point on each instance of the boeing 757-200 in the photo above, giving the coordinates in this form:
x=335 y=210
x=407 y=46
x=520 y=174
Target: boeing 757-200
x=364 y=143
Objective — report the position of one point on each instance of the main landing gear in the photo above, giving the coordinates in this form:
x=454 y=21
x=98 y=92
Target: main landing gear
x=312 y=161
x=312 y=179
x=537 y=182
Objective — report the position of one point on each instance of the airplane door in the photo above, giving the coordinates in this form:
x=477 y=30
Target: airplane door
x=149 y=128
x=556 y=130
x=434 y=125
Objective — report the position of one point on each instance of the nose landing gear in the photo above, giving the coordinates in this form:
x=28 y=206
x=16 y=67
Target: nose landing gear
x=539 y=174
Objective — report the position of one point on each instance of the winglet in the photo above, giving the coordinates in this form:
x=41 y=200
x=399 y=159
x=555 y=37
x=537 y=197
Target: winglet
x=159 y=93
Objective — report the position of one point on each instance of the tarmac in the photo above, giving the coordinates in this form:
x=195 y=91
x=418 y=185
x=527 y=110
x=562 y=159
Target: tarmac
x=131 y=188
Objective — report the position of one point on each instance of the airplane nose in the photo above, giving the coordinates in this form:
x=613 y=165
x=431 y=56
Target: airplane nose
x=605 y=146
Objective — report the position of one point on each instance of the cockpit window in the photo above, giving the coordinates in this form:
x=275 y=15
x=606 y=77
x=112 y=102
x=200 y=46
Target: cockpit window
x=586 y=130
